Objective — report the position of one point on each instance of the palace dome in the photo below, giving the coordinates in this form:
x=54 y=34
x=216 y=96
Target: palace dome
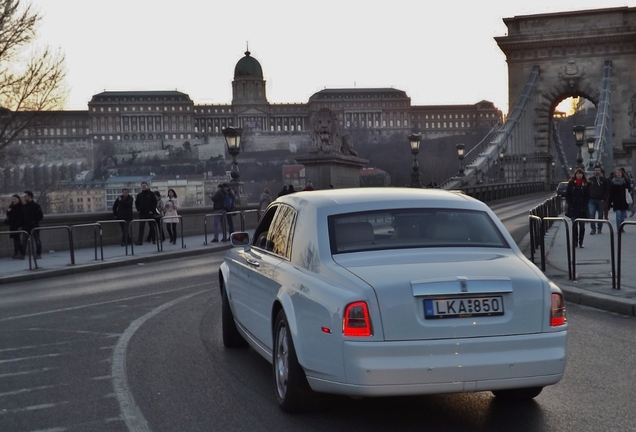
x=248 y=66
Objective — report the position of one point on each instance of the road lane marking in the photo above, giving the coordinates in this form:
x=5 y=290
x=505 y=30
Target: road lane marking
x=133 y=417
x=53 y=311
x=19 y=359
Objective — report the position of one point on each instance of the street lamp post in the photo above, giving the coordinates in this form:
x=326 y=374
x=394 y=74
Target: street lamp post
x=232 y=137
x=590 y=149
x=415 y=140
x=501 y=166
x=523 y=174
x=233 y=141
x=460 y=155
x=579 y=137
x=553 y=170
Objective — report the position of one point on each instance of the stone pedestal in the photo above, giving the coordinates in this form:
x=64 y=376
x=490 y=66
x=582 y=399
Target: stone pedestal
x=324 y=169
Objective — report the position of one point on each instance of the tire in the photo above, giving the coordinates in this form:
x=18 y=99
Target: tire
x=518 y=394
x=290 y=383
x=231 y=336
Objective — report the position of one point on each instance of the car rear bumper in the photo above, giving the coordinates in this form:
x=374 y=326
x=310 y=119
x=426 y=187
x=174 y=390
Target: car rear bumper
x=446 y=366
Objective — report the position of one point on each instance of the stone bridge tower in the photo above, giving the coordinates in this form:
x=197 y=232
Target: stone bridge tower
x=570 y=49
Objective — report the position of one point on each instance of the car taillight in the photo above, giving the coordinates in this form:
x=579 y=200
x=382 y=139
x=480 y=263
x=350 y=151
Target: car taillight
x=558 y=316
x=356 y=320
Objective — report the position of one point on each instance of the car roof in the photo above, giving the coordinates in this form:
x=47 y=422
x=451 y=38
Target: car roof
x=334 y=201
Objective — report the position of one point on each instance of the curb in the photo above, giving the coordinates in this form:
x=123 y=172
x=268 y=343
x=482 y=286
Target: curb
x=102 y=265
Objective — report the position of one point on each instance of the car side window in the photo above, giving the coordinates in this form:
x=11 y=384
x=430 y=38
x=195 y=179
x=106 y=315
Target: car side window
x=280 y=231
x=262 y=230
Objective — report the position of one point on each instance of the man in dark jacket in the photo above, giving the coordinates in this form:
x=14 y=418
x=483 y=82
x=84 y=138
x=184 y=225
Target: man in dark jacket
x=146 y=205
x=32 y=214
x=229 y=208
x=123 y=210
x=599 y=194
x=218 y=201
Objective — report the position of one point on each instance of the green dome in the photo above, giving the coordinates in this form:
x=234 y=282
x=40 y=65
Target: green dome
x=248 y=67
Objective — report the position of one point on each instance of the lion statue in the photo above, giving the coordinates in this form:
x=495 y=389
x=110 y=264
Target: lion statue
x=326 y=137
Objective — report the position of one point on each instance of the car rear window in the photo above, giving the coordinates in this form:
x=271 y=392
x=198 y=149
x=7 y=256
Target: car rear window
x=408 y=228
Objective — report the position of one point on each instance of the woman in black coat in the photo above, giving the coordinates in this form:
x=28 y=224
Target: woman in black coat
x=15 y=220
x=577 y=195
x=619 y=187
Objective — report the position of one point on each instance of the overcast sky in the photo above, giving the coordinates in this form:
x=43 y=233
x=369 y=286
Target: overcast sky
x=440 y=52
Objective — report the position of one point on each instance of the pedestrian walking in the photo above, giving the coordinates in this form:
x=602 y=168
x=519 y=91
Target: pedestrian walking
x=32 y=213
x=170 y=215
x=265 y=200
x=218 y=205
x=146 y=205
x=577 y=195
x=159 y=212
x=123 y=210
x=619 y=189
x=309 y=186
x=228 y=206
x=599 y=194
x=284 y=191
x=15 y=220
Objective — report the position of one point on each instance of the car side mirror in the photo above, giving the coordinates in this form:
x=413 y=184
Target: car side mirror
x=240 y=238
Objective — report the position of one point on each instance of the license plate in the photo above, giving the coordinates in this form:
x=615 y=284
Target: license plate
x=464 y=307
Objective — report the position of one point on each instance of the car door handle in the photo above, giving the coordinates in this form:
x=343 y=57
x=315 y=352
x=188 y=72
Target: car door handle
x=253 y=262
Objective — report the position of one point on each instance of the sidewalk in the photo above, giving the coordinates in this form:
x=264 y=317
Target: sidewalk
x=592 y=287
x=56 y=263
x=593 y=268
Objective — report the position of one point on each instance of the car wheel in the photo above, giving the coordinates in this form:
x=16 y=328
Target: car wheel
x=231 y=336
x=518 y=394
x=292 y=389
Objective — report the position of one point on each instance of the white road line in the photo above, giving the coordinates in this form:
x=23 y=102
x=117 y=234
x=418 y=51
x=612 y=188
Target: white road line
x=17 y=317
x=19 y=359
x=134 y=418
x=27 y=390
x=29 y=372
x=33 y=408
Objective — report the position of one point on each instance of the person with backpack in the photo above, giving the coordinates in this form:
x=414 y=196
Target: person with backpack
x=123 y=210
x=15 y=220
x=218 y=203
x=32 y=214
x=146 y=205
x=228 y=206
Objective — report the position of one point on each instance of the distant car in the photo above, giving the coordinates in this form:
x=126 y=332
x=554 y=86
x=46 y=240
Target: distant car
x=381 y=292
x=561 y=189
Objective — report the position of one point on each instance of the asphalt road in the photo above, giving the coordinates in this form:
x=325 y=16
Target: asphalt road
x=140 y=349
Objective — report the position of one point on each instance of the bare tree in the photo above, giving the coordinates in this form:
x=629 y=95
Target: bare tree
x=31 y=79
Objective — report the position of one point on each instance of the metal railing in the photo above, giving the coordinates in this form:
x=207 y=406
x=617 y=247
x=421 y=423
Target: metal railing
x=538 y=228
x=180 y=223
x=510 y=138
x=619 y=257
x=22 y=233
x=97 y=229
x=31 y=241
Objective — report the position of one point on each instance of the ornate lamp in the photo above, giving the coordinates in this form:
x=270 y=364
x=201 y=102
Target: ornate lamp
x=590 y=149
x=415 y=140
x=523 y=174
x=233 y=141
x=460 y=155
x=579 y=137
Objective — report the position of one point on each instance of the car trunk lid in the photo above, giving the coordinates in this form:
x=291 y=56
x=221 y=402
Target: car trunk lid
x=443 y=294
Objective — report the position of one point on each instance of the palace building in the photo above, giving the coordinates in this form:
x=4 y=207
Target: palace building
x=150 y=126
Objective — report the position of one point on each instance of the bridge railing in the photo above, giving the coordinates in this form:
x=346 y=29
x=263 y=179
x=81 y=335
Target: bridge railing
x=504 y=139
x=603 y=149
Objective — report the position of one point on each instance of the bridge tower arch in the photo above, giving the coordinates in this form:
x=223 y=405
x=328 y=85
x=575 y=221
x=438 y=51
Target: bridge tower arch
x=571 y=50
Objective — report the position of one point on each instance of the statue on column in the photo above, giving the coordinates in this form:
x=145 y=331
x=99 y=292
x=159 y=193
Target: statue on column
x=326 y=138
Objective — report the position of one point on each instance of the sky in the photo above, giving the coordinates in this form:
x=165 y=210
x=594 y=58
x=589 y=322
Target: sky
x=440 y=52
